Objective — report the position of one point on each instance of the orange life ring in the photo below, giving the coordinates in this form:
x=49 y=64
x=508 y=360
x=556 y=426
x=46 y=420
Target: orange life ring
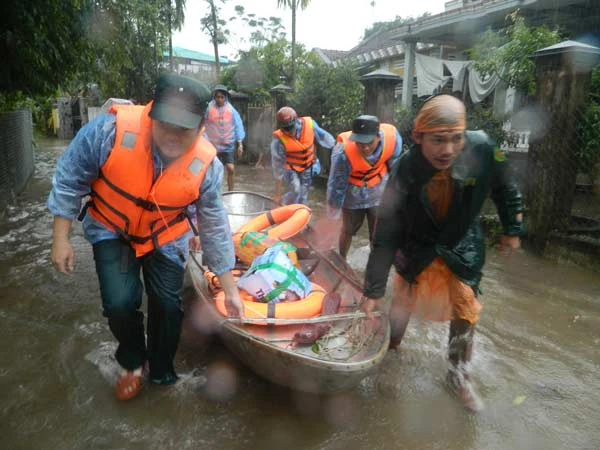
x=289 y=221
x=309 y=306
x=213 y=280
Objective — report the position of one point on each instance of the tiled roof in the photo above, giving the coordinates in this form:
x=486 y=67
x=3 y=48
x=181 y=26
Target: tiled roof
x=457 y=25
x=329 y=56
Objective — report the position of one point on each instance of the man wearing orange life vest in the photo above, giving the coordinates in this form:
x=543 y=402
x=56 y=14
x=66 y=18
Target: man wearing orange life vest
x=360 y=163
x=142 y=166
x=224 y=129
x=293 y=154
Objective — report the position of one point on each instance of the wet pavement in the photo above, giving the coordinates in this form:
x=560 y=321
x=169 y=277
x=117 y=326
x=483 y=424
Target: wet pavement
x=536 y=363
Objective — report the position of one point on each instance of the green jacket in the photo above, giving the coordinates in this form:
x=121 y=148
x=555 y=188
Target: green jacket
x=407 y=233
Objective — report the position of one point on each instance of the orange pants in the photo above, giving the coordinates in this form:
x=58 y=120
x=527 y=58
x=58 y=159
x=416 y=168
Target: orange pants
x=437 y=295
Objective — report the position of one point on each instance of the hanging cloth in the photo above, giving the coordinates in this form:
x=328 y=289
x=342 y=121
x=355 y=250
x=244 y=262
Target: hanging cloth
x=479 y=87
x=430 y=74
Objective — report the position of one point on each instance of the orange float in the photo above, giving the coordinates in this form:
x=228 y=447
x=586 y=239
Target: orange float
x=309 y=306
x=289 y=220
x=250 y=244
x=213 y=280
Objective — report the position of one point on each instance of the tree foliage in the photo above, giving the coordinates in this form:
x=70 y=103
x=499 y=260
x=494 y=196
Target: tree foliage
x=43 y=44
x=267 y=61
x=293 y=5
x=508 y=52
x=215 y=27
x=64 y=45
x=128 y=38
x=481 y=118
x=263 y=29
x=261 y=68
x=173 y=11
x=332 y=95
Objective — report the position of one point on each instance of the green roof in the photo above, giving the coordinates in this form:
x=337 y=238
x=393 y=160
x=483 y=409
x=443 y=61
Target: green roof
x=179 y=52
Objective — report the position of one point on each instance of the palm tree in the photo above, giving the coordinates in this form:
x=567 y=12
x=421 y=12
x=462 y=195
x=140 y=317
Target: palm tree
x=293 y=4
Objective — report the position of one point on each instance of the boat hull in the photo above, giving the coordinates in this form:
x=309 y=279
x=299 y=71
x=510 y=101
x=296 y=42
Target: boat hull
x=331 y=365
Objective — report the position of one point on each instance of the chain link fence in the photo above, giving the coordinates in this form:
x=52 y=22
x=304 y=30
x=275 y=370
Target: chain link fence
x=563 y=162
x=259 y=132
x=16 y=154
x=586 y=151
x=581 y=233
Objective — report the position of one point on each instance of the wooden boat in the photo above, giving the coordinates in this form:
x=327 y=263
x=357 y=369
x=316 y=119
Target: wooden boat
x=337 y=361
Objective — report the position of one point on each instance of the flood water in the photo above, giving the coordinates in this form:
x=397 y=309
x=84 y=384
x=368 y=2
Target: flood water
x=536 y=363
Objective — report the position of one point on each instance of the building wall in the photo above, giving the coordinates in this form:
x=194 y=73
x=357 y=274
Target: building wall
x=202 y=70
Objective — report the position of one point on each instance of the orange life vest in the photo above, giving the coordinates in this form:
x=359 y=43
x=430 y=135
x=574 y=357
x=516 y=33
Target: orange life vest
x=145 y=212
x=299 y=153
x=362 y=172
x=220 y=126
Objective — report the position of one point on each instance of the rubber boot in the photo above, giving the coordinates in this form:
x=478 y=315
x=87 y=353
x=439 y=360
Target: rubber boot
x=460 y=349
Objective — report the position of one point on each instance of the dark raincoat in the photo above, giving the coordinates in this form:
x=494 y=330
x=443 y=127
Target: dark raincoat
x=407 y=233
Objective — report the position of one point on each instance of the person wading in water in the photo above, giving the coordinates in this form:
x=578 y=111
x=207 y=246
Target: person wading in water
x=143 y=166
x=428 y=227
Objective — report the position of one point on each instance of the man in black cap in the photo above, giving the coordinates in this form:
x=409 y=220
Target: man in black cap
x=143 y=166
x=360 y=163
x=225 y=130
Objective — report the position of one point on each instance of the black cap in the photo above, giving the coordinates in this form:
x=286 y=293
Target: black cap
x=180 y=101
x=364 y=129
x=220 y=88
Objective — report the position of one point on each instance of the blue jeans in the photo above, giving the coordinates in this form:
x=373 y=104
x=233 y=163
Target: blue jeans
x=121 y=289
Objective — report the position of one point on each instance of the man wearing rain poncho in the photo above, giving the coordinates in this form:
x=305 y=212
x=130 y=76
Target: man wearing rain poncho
x=428 y=227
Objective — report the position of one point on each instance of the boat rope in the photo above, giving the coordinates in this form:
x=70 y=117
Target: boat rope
x=343 y=343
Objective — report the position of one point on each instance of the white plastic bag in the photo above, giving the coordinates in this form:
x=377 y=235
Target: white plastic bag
x=272 y=278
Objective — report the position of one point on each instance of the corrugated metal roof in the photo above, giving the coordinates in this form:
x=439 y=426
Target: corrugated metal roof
x=179 y=52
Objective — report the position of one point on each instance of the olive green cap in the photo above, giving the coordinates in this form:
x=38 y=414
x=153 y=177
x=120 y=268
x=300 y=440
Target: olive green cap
x=180 y=101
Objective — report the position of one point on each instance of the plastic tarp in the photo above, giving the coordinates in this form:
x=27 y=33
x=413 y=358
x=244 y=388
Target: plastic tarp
x=272 y=275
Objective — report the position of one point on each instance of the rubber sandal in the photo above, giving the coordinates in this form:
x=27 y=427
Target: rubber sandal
x=461 y=386
x=129 y=385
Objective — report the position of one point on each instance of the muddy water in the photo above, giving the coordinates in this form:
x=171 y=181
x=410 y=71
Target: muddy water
x=536 y=364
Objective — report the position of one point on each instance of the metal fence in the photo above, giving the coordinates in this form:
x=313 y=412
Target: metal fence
x=562 y=177
x=259 y=132
x=586 y=157
x=16 y=153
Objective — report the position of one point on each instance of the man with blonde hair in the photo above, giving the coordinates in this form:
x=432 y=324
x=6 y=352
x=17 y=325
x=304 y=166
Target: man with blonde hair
x=428 y=228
